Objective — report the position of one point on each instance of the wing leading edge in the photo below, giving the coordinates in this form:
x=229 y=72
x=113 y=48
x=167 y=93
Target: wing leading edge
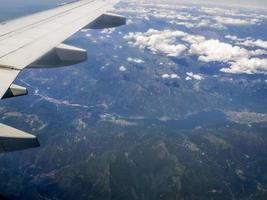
x=36 y=41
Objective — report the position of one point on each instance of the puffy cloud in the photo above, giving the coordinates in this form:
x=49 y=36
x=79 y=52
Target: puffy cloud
x=192 y=39
x=236 y=21
x=129 y=21
x=165 y=76
x=170 y=76
x=108 y=30
x=217 y=11
x=175 y=43
x=191 y=16
x=122 y=69
x=186 y=24
x=214 y=50
x=191 y=75
x=253 y=43
x=175 y=76
x=158 y=41
x=233 y=54
x=248 y=42
x=171 y=15
x=232 y=37
x=258 y=52
x=135 y=60
x=248 y=66
x=212 y=17
x=188 y=78
x=240 y=60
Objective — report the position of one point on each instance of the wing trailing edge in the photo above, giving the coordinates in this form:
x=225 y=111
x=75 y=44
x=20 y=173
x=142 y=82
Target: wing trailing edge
x=12 y=139
x=107 y=20
x=15 y=91
x=60 y=56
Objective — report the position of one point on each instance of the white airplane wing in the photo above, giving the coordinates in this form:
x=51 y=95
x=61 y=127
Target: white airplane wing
x=12 y=139
x=36 y=41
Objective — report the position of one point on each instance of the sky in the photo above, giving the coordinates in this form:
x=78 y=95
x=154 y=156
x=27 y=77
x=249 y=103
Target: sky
x=238 y=2
x=257 y=3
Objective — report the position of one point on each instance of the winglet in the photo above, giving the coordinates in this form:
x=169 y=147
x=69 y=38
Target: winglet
x=12 y=139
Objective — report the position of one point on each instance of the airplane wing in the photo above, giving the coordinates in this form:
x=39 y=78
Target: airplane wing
x=36 y=41
x=12 y=139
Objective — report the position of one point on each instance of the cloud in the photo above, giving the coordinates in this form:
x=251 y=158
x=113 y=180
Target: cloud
x=255 y=43
x=248 y=42
x=214 y=50
x=191 y=15
x=236 y=21
x=239 y=60
x=216 y=11
x=192 y=39
x=248 y=66
x=258 y=52
x=122 y=69
x=191 y=76
x=158 y=41
x=135 y=60
x=176 y=43
x=165 y=76
x=232 y=37
x=175 y=76
x=170 y=76
x=108 y=30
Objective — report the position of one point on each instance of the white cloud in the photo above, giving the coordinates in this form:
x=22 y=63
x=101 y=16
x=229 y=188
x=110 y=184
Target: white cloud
x=192 y=39
x=175 y=76
x=248 y=42
x=170 y=15
x=135 y=60
x=108 y=30
x=236 y=21
x=214 y=50
x=248 y=66
x=122 y=69
x=258 y=52
x=165 y=76
x=191 y=75
x=188 y=78
x=233 y=54
x=158 y=41
x=129 y=21
x=84 y=30
x=253 y=43
x=186 y=24
x=240 y=60
x=212 y=17
x=177 y=43
x=170 y=76
x=216 y=11
x=232 y=37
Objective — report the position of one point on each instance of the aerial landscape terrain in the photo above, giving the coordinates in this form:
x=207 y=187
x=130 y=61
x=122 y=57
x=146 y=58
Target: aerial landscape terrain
x=170 y=106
